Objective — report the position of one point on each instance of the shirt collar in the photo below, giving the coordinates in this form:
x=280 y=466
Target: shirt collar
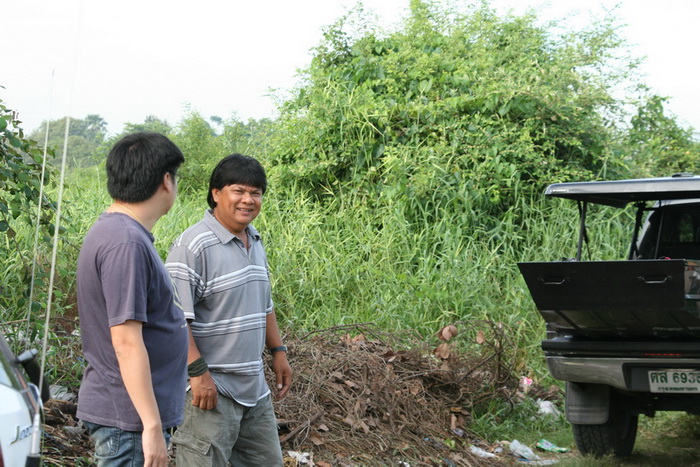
x=222 y=233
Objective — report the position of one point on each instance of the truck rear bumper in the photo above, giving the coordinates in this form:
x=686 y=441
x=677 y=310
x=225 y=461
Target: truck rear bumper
x=623 y=373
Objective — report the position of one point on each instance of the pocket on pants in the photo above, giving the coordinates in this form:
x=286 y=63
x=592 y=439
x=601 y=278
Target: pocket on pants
x=184 y=440
x=106 y=440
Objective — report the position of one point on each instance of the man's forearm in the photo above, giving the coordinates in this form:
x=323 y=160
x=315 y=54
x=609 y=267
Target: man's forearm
x=204 y=392
x=272 y=332
x=135 y=369
x=192 y=349
x=280 y=365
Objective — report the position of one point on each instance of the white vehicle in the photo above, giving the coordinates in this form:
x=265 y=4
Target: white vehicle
x=20 y=408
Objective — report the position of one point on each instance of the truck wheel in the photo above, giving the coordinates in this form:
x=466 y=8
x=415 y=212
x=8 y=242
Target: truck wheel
x=616 y=436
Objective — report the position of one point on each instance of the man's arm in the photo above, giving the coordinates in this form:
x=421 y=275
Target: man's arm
x=204 y=393
x=280 y=365
x=183 y=266
x=127 y=339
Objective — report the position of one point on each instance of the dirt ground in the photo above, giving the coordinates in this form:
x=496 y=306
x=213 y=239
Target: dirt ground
x=366 y=397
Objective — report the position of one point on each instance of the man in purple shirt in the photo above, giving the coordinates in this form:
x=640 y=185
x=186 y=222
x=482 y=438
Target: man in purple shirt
x=133 y=330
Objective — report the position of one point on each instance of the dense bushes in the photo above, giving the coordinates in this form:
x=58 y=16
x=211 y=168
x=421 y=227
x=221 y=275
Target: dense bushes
x=452 y=109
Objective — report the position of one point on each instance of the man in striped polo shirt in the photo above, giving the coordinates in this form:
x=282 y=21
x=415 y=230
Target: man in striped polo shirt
x=220 y=271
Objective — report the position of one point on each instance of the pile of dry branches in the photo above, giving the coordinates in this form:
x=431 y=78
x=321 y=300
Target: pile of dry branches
x=366 y=397
x=362 y=396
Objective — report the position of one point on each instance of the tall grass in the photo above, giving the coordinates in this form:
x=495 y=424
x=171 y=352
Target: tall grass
x=351 y=259
x=343 y=262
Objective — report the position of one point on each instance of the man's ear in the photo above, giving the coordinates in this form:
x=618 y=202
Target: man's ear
x=215 y=195
x=169 y=182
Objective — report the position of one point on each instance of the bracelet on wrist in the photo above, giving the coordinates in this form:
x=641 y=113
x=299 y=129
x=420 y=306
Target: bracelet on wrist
x=279 y=348
x=197 y=368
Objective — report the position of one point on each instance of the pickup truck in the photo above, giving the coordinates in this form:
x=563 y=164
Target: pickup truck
x=625 y=334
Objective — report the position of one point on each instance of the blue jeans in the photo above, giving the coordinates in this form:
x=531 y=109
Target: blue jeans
x=115 y=447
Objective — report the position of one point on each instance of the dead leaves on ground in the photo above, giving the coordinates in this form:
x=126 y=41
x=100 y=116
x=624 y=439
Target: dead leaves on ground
x=362 y=396
x=393 y=395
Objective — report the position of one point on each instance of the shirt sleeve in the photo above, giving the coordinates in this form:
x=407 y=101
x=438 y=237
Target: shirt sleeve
x=125 y=272
x=187 y=283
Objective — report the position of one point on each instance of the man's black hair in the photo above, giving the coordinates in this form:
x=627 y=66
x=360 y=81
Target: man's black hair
x=236 y=169
x=136 y=165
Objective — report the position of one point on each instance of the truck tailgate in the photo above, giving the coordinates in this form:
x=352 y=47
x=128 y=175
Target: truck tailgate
x=640 y=298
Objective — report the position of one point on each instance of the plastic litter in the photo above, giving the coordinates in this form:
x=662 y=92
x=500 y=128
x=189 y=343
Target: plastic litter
x=539 y=462
x=547 y=408
x=480 y=452
x=301 y=457
x=62 y=393
x=520 y=450
x=549 y=446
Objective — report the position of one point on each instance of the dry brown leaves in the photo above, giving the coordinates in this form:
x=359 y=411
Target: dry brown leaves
x=366 y=397
x=362 y=396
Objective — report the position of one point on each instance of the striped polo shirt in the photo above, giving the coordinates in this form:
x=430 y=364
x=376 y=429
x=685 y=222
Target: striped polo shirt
x=225 y=292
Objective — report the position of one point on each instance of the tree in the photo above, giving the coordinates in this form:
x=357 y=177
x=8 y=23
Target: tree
x=84 y=138
x=93 y=128
x=452 y=108
x=251 y=138
x=202 y=149
x=656 y=145
x=150 y=123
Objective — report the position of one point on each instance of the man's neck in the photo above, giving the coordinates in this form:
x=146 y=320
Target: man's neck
x=137 y=211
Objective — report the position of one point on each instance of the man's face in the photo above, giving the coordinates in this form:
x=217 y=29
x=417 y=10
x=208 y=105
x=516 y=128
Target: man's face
x=237 y=206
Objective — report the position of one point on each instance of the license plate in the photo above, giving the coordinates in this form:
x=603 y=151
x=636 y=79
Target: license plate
x=687 y=381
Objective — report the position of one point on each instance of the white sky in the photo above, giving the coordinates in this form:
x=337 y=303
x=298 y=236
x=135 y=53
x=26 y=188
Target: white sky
x=128 y=59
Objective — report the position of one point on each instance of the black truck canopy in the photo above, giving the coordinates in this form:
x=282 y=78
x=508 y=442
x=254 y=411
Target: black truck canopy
x=619 y=193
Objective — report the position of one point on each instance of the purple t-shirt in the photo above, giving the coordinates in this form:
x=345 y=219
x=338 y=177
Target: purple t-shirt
x=121 y=277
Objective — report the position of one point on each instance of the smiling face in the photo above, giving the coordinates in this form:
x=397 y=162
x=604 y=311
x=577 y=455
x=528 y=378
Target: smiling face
x=237 y=206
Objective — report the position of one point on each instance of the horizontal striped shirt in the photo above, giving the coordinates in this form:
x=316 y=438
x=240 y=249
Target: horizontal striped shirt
x=225 y=292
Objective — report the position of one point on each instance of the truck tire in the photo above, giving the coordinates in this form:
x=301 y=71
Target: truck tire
x=616 y=436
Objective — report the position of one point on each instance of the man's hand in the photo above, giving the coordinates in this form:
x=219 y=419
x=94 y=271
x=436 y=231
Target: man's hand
x=283 y=373
x=203 y=391
x=155 y=451
x=280 y=365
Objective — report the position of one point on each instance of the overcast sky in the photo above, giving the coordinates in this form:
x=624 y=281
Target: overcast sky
x=128 y=59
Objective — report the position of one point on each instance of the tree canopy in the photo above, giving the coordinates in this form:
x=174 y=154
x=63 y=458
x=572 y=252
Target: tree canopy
x=85 y=137
x=656 y=144
x=455 y=106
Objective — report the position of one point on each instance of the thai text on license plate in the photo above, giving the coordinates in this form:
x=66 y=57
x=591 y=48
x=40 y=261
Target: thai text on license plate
x=687 y=381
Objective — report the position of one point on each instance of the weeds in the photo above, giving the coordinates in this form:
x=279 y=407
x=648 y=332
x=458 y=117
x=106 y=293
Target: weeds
x=347 y=260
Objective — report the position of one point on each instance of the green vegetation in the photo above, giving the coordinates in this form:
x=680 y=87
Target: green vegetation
x=452 y=110
x=406 y=174
x=85 y=137
x=26 y=218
